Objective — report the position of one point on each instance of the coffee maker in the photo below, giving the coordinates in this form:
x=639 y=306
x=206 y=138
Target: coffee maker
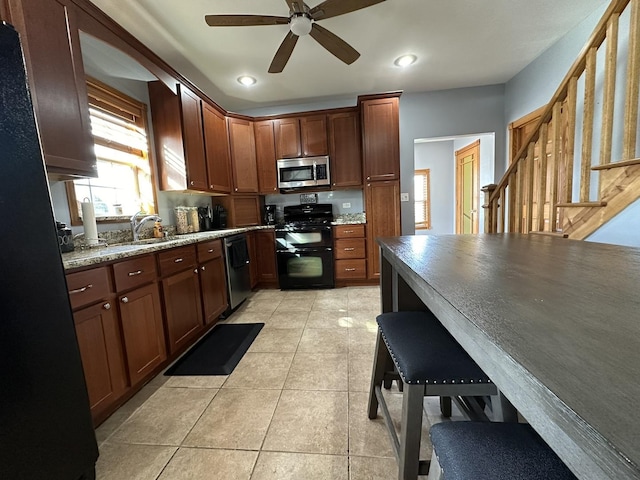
x=269 y=217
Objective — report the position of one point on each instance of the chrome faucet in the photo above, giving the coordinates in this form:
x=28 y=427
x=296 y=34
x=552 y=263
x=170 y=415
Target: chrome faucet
x=136 y=225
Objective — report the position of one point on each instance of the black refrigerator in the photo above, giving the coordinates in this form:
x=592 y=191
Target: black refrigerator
x=46 y=431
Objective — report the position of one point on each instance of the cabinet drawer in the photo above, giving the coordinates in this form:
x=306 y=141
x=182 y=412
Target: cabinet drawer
x=177 y=259
x=349 y=269
x=349 y=231
x=88 y=287
x=134 y=272
x=349 y=248
x=209 y=250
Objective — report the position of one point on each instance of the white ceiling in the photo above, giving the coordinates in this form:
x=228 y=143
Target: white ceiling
x=459 y=43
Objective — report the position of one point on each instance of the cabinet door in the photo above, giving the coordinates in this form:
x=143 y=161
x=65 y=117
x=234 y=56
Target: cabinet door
x=266 y=157
x=344 y=149
x=383 y=219
x=141 y=315
x=193 y=140
x=213 y=285
x=243 y=156
x=287 y=137
x=265 y=256
x=381 y=139
x=182 y=307
x=56 y=76
x=216 y=142
x=98 y=336
x=313 y=135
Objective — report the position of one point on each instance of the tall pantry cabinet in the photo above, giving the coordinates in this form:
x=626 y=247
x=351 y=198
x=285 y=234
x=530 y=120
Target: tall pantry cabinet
x=381 y=157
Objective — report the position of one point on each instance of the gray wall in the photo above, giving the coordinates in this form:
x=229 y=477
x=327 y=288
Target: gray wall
x=447 y=113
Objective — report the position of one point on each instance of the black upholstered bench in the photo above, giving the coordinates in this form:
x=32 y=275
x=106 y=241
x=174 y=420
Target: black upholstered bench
x=492 y=451
x=429 y=362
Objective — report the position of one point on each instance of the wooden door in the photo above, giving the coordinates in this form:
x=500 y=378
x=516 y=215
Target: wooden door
x=98 y=334
x=383 y=219
x=344 y=149
x=381 y=139
x=313 y=135
x=213 y=285
x=193 y=140
x=266 y=157
x=216 y=144
x=142 y=330
x=51 y=43
x=243 y=156
x=287 y=138
x=467 y=188
x=182 y=307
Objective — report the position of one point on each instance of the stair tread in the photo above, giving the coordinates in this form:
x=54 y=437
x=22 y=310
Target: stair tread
x=582 y=204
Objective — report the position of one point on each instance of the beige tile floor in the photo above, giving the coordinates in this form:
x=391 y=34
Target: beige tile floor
x=294 y=408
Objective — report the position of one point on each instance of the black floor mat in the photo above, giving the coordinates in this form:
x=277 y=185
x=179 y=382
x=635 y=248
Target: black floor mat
x=219 y=351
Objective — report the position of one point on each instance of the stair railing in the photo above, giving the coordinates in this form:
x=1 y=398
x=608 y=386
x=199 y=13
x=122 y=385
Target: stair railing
x=541 y=175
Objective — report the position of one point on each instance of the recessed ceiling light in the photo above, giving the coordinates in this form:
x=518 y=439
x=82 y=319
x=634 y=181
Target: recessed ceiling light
x=246 y=80
x=405 y=60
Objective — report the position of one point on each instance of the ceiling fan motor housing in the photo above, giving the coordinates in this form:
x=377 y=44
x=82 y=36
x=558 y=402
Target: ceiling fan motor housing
x=300 y=24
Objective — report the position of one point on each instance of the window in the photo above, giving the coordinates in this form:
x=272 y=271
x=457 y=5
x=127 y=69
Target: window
x=125 y=182
x=422 y=202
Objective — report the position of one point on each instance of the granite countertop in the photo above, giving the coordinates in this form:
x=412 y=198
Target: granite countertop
x=96 y=255
x=350 y=219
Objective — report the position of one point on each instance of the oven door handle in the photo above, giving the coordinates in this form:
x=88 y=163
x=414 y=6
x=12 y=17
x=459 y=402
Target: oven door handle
x=306 y=250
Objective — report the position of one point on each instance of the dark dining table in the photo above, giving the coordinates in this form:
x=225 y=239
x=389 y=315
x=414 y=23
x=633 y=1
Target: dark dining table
x=554 y=322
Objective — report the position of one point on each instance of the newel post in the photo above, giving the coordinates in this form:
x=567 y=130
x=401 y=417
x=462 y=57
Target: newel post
x=490 y=220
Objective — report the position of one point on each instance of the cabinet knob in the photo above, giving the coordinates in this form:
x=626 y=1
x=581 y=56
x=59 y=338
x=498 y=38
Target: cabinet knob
x=368 y=178
x=211 y=187
x=107 y=306
x=178 y=260
x=125 y=300
x=236 y=189
x=202 y=268
x=192 y=183
x=349 y=249
x=349 y=269
x=195 y=270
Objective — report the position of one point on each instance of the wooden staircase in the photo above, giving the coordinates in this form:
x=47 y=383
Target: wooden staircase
x=562 y=181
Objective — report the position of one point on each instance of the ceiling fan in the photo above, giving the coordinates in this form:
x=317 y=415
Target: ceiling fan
x=302 y=21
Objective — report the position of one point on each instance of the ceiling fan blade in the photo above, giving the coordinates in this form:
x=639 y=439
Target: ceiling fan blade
x=334 y=44
x=333 y=8
x=284 y=52
x=243 y=20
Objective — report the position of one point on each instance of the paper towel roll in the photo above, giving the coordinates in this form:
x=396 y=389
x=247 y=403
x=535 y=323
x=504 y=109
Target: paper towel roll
x=89 y=223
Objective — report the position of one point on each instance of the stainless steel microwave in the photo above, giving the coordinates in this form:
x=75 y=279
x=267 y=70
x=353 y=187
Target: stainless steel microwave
x=303 y=172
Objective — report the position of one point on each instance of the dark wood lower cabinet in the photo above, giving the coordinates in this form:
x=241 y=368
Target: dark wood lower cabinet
x=182 y=306
x=98 y=333
x=382 y=201
x=213 y=286
x=142 y=330
x=262 y=254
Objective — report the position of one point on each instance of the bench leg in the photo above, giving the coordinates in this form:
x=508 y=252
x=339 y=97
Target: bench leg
x=445 y=406
x=502 y=409
x=380 y=365
x=410 y=432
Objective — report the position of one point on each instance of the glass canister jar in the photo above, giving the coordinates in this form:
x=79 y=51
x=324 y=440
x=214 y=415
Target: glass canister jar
x=194 y=219
x=182 y=220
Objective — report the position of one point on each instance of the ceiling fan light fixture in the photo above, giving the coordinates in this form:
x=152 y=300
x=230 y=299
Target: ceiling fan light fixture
x=405 y=60
x=246 y=80
x=300 y=25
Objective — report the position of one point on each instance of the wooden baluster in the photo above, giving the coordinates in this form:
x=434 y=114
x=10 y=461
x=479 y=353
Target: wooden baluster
x=489 y=208
x=609 y=89
x=517 y=213
x=513 y=189
x=633 y=85
x=528 y=226
x=553 y=165
x=542 y=182
x=587 y=124
x=501 y=210
x=569 y=139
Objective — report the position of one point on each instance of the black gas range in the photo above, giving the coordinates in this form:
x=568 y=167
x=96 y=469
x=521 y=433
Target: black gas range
x=304 y=247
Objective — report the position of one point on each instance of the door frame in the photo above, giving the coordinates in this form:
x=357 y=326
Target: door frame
x=473 y=149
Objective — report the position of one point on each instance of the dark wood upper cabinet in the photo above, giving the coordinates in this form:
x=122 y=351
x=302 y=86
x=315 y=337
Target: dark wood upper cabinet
x=381 y=139
x=216 y=144
x=266 y=157
x=243 y=155
x=313 y=135
x=304 y=136
x=344 y=149
x=179 y=140
x=193 y=138
x=51 y=43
